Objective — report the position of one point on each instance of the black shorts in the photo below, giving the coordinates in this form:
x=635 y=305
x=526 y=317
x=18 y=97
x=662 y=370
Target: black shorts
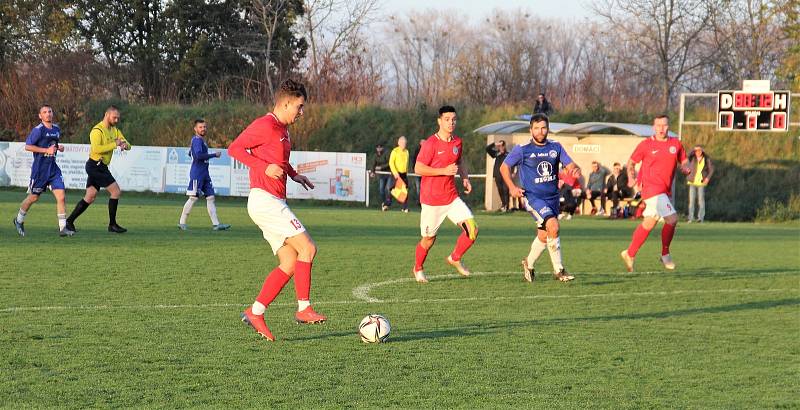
x=98 y=175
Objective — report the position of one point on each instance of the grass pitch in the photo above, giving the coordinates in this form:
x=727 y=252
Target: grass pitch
x=150 y=318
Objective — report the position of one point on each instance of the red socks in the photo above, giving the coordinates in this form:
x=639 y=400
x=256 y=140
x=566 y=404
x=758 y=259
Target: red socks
x=639 y=236
x=462 y=244
x=419 y=257
x=302 y=279
x=666 y=238
x=273 y=285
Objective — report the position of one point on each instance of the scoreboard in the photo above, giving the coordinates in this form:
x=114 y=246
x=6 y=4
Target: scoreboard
x=753 y=110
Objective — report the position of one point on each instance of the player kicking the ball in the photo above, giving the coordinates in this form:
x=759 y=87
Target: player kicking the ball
x=659 y=155
x=438 y=162
x=264 y=146
x=539 y=161
x=43 y=143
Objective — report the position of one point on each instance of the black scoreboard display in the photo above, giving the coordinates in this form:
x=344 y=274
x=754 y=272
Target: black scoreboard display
x=753 y=111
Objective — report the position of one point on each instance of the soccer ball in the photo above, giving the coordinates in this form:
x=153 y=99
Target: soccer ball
x=374 y=329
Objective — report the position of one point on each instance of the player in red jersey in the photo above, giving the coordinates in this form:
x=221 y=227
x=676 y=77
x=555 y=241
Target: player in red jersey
x=438 y=162
x=659 y=155
x=264 y=146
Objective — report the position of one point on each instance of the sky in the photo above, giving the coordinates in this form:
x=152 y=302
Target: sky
x=477 y=9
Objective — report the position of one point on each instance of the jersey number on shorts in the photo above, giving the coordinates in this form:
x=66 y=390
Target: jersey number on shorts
x=297 y=225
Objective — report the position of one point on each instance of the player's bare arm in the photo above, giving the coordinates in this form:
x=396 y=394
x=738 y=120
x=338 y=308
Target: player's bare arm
x=462 y=171
x=513 y=189
x=429 y=171
x=303 y=181
x=48 y=151
x=685 y=169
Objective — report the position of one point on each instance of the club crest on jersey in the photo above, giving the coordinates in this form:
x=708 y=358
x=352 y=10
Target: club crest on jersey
x=545 y=170
x=672 y=150
x=455 y=150
x=553 y=153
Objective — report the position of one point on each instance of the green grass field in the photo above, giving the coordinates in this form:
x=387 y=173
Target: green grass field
x=150 y=318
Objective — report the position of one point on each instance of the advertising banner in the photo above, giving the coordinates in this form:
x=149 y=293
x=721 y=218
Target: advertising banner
x=336 y=176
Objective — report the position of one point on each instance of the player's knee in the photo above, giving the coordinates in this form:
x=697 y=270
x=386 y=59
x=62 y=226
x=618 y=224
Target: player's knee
x=427 y=241
x=470 y=228
x=671 y=220
x=309 y=250
x=32 y=198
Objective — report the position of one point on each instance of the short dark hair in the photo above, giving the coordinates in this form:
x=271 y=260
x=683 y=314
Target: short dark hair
x=379 y=145
x=501 y=142
x=445 y=109
x=43 y=106
x=112 y=107
x=539 y=117
x=659 y=116
x=291 y=88
x=199 y=121
x=617 y=163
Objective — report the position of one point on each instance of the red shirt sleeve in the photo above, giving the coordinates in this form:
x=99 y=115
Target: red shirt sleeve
x=425 y=156
x=638 y=153
x=251 y=137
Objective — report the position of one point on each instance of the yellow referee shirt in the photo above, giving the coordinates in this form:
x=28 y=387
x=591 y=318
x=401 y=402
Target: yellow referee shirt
x=103 y=142
x=398 y=160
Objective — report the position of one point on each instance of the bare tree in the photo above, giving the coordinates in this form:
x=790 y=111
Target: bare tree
x=662 y=39
x=332 y=28
x=750 y=38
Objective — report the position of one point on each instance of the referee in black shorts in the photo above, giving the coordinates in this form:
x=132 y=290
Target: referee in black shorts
x=105 y=137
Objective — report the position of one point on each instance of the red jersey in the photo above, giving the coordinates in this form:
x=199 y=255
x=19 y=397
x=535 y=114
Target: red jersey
x=658 y=159
x=569 y=179
x=440 y=189
x=267 y=140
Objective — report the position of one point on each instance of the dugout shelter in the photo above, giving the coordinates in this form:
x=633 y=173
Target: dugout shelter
x=604 y=142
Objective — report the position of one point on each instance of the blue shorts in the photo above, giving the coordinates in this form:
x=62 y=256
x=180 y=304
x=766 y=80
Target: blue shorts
x=200 y=186
x=47 y=178
x=542 y=209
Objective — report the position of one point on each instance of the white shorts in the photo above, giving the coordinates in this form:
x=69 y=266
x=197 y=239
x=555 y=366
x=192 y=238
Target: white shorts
x=273 y=216
x=432 y=216
x=658 y=206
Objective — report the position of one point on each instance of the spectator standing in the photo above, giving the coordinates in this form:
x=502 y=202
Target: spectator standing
x=701 y=168
x=498 y=151
x=595 y=188
x=398 y=164
x=381 y=163
x=542 y=105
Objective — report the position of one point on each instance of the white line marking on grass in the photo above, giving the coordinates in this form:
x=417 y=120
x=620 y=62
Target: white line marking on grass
x=398 y=301
x=361 y=295
x=362 y=292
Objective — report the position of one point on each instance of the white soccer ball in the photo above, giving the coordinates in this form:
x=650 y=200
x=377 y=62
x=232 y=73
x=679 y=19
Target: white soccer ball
x=374 y=329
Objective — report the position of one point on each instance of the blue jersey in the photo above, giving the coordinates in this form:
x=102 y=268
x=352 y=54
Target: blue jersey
x=200 y=157
x=538 y=167
x=44 y=137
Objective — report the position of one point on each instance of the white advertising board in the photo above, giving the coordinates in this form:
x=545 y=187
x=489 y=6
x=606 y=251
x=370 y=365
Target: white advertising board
x=336 y=175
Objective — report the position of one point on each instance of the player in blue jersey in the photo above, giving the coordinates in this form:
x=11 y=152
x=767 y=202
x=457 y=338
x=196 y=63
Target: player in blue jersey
x=199 y=178
x=45 y=173
x=539 y=162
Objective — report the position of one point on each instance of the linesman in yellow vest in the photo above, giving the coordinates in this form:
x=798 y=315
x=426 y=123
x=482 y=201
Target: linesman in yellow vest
x=105 y=137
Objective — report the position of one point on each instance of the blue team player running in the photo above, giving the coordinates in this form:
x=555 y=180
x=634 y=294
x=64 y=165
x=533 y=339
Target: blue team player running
x=43 y=143
x=199 y=178
x=538 y=162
